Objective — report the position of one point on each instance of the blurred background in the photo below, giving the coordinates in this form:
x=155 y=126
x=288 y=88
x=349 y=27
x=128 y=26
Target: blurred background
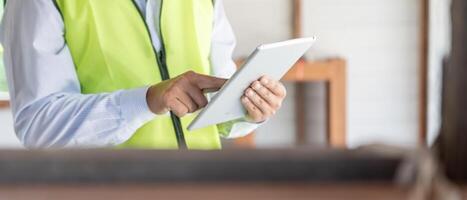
x=372 y=77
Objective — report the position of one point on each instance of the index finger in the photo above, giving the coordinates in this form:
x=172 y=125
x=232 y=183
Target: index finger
x=208 y=83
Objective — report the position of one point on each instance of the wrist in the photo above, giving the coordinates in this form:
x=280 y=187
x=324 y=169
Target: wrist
x=153 y=102
x=134 y=107
x=250 y=120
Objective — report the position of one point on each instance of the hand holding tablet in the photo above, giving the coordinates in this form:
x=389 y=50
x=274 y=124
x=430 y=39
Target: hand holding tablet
x=263 y=99
x=271 y=60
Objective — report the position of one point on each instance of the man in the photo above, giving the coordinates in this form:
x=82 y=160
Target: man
x=98 y=73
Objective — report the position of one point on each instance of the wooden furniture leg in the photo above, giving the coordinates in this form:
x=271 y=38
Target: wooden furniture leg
x=337 y=106
x=333 y=72
x=300 y=88
x=423 y=73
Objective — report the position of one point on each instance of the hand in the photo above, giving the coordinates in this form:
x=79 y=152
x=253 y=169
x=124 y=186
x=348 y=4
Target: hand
x=263 y=98
x=183 y=94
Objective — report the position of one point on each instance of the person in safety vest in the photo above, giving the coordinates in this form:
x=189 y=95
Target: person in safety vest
x=123 y=73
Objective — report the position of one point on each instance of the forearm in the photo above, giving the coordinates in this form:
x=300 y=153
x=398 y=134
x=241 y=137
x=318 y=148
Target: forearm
x=76 y=120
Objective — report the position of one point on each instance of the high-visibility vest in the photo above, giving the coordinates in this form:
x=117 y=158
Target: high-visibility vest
x=112 y=50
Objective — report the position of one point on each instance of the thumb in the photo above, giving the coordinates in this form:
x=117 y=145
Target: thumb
x=208 y=83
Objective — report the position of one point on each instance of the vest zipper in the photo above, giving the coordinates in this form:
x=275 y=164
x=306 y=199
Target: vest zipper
x=175 y=119
x=162 y=62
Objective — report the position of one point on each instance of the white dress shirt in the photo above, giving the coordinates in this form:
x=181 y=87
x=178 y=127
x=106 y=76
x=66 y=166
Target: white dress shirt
x=48 y=108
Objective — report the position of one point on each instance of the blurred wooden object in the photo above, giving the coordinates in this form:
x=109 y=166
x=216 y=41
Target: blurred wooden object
x=367 y=173
x=298 y=165
x=333 y=72
x=301 y=105
x=4 y=104
x=239 y=174
x=212 y=191
x=423 y=73
x=453 y=139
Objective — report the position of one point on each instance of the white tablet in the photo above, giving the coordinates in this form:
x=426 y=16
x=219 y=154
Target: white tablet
x=273 y=60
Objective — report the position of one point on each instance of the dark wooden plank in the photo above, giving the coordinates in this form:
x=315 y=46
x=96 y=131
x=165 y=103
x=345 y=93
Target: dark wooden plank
x=380 y=191
x=423 y=72
x=107 y=166
x=297 y=18
x=453 y=144
x=300 y=114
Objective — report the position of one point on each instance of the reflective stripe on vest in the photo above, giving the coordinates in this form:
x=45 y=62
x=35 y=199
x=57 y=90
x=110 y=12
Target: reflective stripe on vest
x=112 y=50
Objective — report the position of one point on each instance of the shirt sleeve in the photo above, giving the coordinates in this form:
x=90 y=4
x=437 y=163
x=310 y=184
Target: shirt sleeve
x=49 y=110
x=223 y=45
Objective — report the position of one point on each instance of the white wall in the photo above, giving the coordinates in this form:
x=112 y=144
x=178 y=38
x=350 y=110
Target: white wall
x=258 y=21
x=379 y=38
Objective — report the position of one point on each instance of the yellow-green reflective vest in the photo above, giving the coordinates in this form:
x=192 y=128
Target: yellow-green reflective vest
x=112 y=50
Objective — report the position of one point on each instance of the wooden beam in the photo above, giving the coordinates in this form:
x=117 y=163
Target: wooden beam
x=297 y=29
x=300 y=88
x=337 y=109
x=423 y=73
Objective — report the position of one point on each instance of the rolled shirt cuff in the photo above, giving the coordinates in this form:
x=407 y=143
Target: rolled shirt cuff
x=134 y=109
x=242 y=128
